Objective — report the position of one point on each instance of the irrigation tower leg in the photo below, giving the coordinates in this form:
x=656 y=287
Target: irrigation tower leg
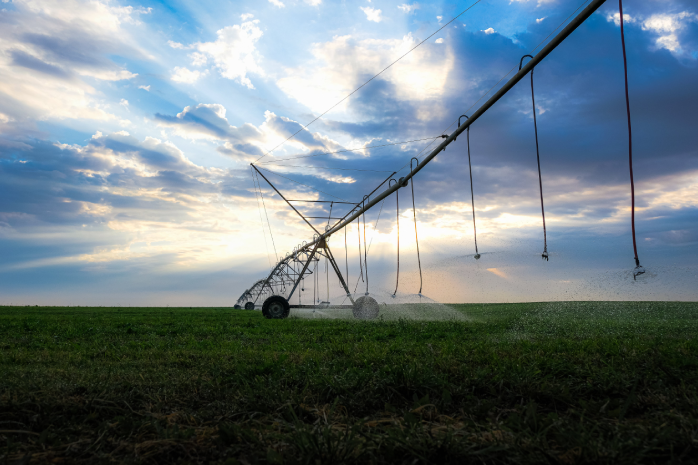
x=339 y=273
x=305 y=268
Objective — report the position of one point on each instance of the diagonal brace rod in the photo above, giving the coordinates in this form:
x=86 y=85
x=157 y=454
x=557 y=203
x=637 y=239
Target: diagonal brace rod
x=339 y=273
x=280 y=195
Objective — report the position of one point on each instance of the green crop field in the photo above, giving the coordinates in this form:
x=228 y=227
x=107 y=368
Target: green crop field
x=576 y=382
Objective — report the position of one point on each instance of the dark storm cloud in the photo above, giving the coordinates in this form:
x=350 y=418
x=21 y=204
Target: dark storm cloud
x=203 y=119
x=68 y=185
x=286 y=127
x=157 y=155
x=20 y=58
x=208 y=120
x=381 y=112
x=230 y=149
x=582 y=127
x=74 y=48
x=580 y=97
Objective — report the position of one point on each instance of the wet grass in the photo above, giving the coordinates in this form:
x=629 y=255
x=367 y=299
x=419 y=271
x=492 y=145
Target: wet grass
x=518 y=383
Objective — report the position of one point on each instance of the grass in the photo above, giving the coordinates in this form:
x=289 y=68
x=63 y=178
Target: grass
x=519 y=383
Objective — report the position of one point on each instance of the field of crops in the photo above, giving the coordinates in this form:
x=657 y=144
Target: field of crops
x=517 y=383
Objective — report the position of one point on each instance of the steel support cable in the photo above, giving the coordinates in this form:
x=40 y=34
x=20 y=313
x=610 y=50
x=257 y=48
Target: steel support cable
x=638 y=268
x=261 y=220
x=472 y=192
x=498 y=82
x=416 y=237
x=292 y=180
x=358 y=149
x=267 y=215
x=397 y=209
x=375 y=76
x=544 y=255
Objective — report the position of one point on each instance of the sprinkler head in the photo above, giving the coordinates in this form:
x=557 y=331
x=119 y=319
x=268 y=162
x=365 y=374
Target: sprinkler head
x=638 y=271
x=544 y=255
x=477 y=256
x=393 y=296
x=366 y=293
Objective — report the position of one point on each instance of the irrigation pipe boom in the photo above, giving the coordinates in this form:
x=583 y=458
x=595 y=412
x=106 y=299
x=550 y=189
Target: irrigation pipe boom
x=320 y=239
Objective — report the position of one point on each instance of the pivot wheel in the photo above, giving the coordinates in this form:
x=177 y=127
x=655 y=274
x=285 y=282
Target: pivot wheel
x=276 y=307
x=237 y=307
x=249 y=306
x=365 y=308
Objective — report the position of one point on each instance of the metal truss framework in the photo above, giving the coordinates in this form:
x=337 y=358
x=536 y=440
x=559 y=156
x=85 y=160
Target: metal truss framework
x=285 y=272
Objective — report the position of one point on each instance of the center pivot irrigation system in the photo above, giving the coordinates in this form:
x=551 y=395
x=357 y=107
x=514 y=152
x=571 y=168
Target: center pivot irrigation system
x=276 y=290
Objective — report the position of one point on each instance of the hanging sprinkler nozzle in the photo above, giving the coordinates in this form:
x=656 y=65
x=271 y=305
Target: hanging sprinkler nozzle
x=639 y=269
x=397 y=218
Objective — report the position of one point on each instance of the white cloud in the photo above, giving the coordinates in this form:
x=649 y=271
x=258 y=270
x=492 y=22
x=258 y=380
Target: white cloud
x=540 y=2
x=207 y=121
x=665 y=23
x=276 y=3
x=246 y=16
x=198 y=59
x=313 y=2
x=615 y=17
x=372 y=14
x=233 y=53
x=665 y=26
x=145 y=88
x=440 y=40
x=439 y=18
x=489 y=30
x=176 y=45
x=124 y=102
x=408 y=8
x=540 y=20
x=342 y=64
x=246 y=142
x=48 y=51
x=185 y=75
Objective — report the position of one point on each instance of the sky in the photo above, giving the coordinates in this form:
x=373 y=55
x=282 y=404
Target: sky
x=127 y=129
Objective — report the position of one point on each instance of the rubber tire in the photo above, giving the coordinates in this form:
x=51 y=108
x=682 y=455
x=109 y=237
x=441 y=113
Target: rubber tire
x=276 y=307
x=249 y=306
x=365 y=308
x=237 y=307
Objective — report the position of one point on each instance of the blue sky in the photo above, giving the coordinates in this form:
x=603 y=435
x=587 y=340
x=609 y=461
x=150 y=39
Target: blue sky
x=127 y=129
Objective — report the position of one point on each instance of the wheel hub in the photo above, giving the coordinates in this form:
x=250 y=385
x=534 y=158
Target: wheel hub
x=276 y=310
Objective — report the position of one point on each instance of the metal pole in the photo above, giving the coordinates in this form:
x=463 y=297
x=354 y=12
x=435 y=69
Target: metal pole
x=557 y=40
